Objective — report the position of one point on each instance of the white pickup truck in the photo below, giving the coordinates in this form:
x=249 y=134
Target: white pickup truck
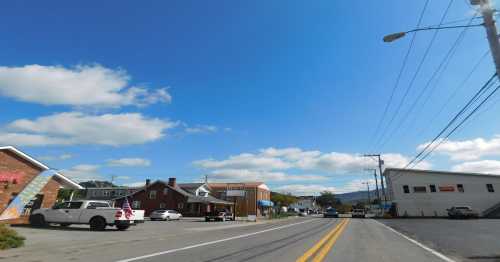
x=97 y=214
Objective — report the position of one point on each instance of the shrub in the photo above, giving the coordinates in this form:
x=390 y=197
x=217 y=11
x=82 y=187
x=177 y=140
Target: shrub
x=9 y=238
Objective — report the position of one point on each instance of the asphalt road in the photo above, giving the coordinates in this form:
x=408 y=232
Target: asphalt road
x=466 y=240
x=298 y=239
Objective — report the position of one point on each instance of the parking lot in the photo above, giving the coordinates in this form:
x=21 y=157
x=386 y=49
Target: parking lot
x=465 y=240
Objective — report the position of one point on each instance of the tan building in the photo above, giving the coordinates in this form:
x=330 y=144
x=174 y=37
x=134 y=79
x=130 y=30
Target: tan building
x=255 y=197
x=17 y=170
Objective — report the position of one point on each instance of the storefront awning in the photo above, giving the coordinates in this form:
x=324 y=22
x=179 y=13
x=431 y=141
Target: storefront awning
x=265 y=203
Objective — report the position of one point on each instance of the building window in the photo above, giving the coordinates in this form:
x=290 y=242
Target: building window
x=105 y=193
x=136 y=204
x=406 y=189
x=152 y=194
x=419 y=189
x=94 y=192
x=490 y=188
x=432 y=188
x=162 y=205
x=460 y=188
x=180 y=205
x=165 y=191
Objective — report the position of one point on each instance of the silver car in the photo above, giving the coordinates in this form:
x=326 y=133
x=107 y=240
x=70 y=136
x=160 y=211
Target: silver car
x=165 y=214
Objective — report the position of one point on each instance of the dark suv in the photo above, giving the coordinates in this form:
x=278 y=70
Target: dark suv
x=219 y=215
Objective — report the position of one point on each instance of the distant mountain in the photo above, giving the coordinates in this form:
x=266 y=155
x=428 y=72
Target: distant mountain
x=353 y=197
x=96 y=183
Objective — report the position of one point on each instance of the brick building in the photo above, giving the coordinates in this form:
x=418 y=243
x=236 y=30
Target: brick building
x=17 y=170
x=255 y=201
x=188 y=199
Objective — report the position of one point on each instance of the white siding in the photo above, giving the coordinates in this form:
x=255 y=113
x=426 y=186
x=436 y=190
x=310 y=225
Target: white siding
x=475 y=192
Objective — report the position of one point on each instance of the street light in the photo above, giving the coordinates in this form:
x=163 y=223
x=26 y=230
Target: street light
x=395 y=36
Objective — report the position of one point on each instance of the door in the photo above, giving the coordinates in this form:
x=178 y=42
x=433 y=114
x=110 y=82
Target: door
x=56 y=213
x=72 y=212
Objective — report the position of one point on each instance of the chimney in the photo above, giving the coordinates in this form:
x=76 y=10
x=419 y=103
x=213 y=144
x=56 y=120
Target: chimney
x=171 y=182
x=148 y=181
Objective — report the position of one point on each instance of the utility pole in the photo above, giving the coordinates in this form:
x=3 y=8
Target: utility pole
x=368 y=192
x=380 y=163
x=491 y=30
x=376 y=183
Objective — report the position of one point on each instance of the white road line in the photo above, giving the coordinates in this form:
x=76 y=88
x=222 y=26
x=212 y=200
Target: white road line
x=434 y=252
x=212 y=242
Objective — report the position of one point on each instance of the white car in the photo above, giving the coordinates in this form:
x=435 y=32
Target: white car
x=165 y=214
x=97 y=214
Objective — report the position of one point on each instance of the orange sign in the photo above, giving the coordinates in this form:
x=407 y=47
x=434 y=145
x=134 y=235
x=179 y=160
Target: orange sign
x=446 y=189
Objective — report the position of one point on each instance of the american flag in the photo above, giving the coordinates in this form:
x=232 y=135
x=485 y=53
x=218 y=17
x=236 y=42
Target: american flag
x=126 y=207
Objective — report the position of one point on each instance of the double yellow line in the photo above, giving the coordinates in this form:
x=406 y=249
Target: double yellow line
x=325 y=244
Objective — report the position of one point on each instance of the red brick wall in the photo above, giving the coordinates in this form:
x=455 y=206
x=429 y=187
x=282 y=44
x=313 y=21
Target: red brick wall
x=172 y=199
x=10 y=162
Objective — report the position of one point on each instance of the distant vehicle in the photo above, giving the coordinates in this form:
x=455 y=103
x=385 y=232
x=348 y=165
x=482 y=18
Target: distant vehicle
x=164 y=214
x=303 y=213
x=360 y=213
x=331 y=212
x=219 y=215
x=462 y=212
x=97 y=214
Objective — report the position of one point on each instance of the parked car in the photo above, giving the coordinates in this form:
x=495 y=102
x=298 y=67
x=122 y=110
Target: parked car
x=219 y=215
x=331 y=212
x=302 y=213
x=164 y=214
x=97 y=214
x=360 y=213
x=462 y=212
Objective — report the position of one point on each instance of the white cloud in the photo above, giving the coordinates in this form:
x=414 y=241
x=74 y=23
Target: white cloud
x=316 y=189
x=237 y=175
x=83 y=172
x=482 y=166
x=135 y=184
x=296 y=158
x=202 y=129
x=129 y=162
x=468 y=149
x=52 y=158
x=244 y=161
x=78 y=128
x=83 y=86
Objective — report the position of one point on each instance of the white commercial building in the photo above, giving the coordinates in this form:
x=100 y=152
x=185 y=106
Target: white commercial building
x=430 y=193
x=305 y=203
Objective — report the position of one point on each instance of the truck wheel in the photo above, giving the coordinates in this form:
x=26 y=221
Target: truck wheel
x=122 y=227
x=97 y=224
x=223 y=219
x=37 y=220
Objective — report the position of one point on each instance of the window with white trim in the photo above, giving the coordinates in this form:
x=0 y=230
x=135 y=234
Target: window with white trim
x=152 y=194
x=136 y=204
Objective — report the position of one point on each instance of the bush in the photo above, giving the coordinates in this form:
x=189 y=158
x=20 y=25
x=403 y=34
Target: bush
x=9 y=238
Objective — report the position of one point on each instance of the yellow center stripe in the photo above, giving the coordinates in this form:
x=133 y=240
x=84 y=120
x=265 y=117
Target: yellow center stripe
x=320 y=243
x=324 y=251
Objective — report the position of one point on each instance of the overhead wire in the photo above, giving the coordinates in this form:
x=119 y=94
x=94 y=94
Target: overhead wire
x=382 y=140
x=400 y=74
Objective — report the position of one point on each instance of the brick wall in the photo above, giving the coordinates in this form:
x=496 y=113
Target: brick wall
x=172 y=199
x=11 y=163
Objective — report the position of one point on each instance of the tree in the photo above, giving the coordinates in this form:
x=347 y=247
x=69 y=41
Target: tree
x=282 y=199
x=328 y=199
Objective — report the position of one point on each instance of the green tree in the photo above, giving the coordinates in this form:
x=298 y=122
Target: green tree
x=328 y=199
x=282 y=199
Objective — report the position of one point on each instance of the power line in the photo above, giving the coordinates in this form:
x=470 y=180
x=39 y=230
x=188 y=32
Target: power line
x=459 y=125
x=412 y=81
x=401 y=70
x=442 y=65
x=455 y=92
x=478 y=94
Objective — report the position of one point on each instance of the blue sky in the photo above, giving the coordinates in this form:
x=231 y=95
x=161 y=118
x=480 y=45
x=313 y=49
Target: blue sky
x=288 y=92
